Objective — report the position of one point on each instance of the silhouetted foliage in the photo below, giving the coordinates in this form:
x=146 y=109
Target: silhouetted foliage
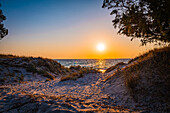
x=3 y=31
x=148 y=20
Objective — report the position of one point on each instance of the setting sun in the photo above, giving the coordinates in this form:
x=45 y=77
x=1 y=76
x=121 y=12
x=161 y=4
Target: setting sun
x=100 y=47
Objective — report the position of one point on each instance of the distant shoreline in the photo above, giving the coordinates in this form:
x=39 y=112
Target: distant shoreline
x=101 y=64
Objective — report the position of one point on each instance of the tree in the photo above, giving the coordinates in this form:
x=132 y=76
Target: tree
x=3 y=31
x=148 y=20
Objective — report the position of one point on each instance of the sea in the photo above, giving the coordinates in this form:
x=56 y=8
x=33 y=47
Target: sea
x=102 y=64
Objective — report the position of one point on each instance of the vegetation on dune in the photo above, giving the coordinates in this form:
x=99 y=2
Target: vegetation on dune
x=117 y=66
x=148 y=78
x=39 y=66
x=44 y=67
x=7 y=56
x=48 y=75
x=11 y=77
x=80 y=71
x=31 y=68
x=72 y=76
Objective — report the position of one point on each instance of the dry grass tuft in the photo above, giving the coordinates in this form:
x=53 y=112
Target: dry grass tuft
x=115 y=67
x=7 y=56
x=48 y=75
x=72 y=76
x=78 y=74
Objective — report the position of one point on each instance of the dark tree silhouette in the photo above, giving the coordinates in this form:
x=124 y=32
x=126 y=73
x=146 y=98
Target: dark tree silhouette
x=3 y=31
x=148 y=20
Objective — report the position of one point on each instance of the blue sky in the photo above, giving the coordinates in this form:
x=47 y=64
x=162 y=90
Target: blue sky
x=63 y=29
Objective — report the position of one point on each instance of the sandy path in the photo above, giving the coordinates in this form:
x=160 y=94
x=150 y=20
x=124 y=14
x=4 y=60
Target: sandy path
x=83 y=95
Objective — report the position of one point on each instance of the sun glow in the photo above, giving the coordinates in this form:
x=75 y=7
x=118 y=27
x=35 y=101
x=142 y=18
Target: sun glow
x=100 y=47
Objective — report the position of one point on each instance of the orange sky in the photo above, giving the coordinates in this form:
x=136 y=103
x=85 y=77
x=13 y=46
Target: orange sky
x=69 y=33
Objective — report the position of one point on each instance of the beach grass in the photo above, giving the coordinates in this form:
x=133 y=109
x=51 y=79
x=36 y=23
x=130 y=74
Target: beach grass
x=81 y=71
x=148 y=77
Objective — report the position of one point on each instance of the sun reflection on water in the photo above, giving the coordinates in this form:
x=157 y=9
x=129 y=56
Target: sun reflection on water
x=100 y=64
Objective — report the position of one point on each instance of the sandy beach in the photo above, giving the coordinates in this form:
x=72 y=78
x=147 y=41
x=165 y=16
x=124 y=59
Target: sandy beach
x=37 y=85
x=86 y=94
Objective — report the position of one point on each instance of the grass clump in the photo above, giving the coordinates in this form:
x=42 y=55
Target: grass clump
x=78 y=74
x=73 y=76
x=7 y=56
x=48 y=75
x=115 y=67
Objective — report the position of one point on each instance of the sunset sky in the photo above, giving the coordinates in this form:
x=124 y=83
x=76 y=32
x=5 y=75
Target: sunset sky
x=63 y=29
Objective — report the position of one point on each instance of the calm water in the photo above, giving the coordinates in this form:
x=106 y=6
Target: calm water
x=95 y=63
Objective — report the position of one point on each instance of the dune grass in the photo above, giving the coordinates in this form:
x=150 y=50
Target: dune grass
x=115 y=67
x=148 y=78
x=48 y=75
x=7 y=56
x=154 y=60
x=72 y=76
x=78 y=74
x=38 y=65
